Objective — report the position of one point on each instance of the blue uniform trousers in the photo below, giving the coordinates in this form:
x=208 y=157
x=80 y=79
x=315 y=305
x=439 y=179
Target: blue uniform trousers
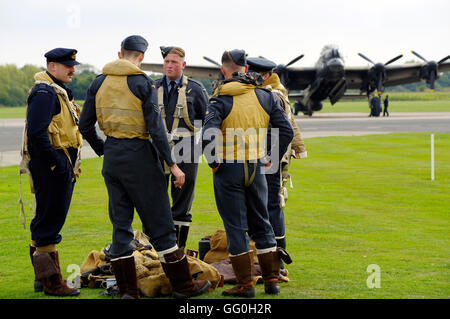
x=53 y=195
x=243 y=208
x=183 y=197
x=276 y=214
x=135 y=179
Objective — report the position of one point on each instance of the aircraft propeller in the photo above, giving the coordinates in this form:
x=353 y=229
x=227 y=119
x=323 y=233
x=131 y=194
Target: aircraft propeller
x=380 y=70
x=295 y=60
x=430 y=69
x=212 y=61
x=282 y=68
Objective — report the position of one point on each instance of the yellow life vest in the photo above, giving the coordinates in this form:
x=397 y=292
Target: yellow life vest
x=63 y=128
x=119 y=111
x=244 y=130
x=62 y=132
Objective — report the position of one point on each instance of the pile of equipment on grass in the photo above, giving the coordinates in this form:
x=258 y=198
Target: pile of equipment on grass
x=96 y=270
x=213 y=251
x=213 y=264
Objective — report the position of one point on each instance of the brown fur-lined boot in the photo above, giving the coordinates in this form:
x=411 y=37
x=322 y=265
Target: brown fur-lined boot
x=270 y=268
x=46 y=267
x=243 y=269
x=176 y=267
x=124 y=270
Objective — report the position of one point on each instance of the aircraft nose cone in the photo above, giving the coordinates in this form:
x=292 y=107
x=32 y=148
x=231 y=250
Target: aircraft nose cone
x=335 y=66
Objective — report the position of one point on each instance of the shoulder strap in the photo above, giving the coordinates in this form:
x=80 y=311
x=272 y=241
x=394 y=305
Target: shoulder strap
x=72 y=106
x=181 y=110
x=162 y=109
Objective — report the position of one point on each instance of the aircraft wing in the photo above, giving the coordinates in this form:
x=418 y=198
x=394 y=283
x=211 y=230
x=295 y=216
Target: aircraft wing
x=355 y=76
x=408 y=73
x=204 y=72
x=395 y=74
x=297 y=78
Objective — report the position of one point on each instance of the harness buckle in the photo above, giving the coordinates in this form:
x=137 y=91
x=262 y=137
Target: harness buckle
x=179 y=109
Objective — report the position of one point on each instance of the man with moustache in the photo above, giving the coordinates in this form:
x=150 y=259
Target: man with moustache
x=51 y=144
x=182 y=102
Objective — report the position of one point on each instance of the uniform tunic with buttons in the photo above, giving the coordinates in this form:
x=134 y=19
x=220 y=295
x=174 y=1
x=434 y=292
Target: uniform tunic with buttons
x=196 y=100
x=50 y=168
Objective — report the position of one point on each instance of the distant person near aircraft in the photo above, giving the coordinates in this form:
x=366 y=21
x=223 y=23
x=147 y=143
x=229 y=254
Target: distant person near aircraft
x=386 y=104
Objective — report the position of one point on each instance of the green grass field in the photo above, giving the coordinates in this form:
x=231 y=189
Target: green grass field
x=400 y=102
x=394 y=106
x=356 y=201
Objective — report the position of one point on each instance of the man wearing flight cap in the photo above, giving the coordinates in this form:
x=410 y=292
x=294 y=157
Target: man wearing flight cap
x=182 y=102
x=277 y=182
x=123 y=99
x=50 y=155
x=237 y=120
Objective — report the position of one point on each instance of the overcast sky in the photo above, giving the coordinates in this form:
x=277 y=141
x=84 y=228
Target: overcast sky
x=277 y=29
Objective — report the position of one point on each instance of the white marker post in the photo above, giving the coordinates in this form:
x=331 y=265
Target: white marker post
x=432 y=157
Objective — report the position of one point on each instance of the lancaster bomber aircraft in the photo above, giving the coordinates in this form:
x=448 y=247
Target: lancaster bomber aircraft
x=330 y=78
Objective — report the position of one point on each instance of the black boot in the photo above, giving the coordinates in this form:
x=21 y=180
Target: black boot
x=124 y=270
x=182 y=235
x=37 y=283
x=281 y=242
x=176 y=268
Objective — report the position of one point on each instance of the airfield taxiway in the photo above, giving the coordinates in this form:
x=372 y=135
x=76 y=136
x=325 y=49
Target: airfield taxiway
x=319 y=125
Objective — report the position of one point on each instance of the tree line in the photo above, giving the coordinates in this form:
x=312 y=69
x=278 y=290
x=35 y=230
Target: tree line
x=15 y=83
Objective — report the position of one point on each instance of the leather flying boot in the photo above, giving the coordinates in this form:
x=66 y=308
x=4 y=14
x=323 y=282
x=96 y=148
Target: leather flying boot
x=46 y=266
x=176 y=268
x=270 y=268
x=243 y=269
x=37 y=283
x=124 y=270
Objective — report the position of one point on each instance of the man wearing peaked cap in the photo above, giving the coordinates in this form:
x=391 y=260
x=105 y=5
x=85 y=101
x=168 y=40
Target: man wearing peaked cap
x=63 y=56
x=260 y=64
x=123 y=100
x=182 y=102
x=51 y=156
x=277 y=182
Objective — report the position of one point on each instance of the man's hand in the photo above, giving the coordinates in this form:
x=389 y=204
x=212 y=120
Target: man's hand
x=215 y=169
x=178 y=174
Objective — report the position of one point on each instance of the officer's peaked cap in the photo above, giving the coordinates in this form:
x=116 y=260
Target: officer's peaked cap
x=63 y=56
x=260 y=64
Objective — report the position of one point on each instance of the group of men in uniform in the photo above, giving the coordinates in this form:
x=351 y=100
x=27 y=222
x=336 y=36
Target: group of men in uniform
x=151 y=130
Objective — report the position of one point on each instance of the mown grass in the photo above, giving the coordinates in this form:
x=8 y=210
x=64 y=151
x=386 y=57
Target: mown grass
x=399 y=102
x=10 y=112
x=394 y=106
x=356 y=201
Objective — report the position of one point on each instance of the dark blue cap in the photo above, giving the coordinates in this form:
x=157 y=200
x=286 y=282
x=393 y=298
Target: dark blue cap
x=239 y=57
x=135 y=43
x=260 y=64
x=63 y=56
